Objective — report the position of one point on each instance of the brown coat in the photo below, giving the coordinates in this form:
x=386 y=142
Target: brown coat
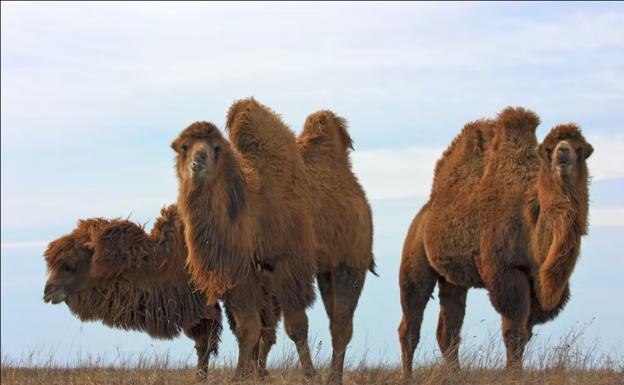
x=114 y=272
x=503 y=214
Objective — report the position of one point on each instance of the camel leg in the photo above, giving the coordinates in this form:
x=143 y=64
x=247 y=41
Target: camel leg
x=511 y=297
x=206 y=335
x=452 y=310
x=347 y=286
x=269 y=318
x=246 y=315
x=324 y=281
x=296 y=326
x=416 y=284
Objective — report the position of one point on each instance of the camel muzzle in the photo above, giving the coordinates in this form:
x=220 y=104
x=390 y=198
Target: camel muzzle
x=199 y=162
x=54 y=294
x=564 y=160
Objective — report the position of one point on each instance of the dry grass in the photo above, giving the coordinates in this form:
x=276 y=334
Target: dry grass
x=430 y=375
x=569 y=362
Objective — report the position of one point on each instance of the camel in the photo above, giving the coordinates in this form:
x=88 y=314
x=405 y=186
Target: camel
x=112 y=271
x=343 y=224
x=504 y=214
x=248 y=213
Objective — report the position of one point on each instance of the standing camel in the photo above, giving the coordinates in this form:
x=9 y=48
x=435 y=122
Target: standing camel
x=344 y=227
x=247 y=209
x=504 y=214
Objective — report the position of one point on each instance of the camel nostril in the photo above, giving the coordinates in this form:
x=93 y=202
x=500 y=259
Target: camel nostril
x=48 y=288
x=200 y=157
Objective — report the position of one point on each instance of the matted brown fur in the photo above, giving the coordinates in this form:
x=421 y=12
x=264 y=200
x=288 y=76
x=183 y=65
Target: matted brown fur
x=247 y=210
x=343 y=224
x=134 y=281
x=499 y=217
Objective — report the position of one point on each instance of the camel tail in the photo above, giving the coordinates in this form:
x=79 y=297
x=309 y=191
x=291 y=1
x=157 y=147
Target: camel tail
x=373 y=267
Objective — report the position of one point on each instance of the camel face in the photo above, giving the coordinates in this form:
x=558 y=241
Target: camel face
x=198 y=151
x=564 y=159
x=69 y=269
x=565 y=150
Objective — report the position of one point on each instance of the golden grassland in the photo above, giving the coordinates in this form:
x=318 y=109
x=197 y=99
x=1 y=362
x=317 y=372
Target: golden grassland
x=568 y=362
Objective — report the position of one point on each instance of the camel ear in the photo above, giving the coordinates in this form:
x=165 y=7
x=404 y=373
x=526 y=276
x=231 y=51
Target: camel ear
x=175 y=145
x=236 y=193
x=588 y=149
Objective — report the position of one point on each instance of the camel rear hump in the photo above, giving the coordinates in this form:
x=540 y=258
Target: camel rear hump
x=327 y=129
x=518 y=122
x=260 y=135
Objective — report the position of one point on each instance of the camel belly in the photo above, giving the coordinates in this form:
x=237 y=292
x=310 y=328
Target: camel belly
x=458 y=270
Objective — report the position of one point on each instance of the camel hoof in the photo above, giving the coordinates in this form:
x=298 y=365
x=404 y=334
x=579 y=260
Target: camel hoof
x=201 y=374
x=263 y=374
x=334 y=379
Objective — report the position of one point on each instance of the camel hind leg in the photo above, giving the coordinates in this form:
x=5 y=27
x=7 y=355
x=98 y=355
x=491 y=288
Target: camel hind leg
x=346 y=287
x=294 y=295
x=416 y=282
x=452 y=310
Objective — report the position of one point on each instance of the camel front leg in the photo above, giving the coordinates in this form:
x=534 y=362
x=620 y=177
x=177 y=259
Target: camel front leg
x=510 y=294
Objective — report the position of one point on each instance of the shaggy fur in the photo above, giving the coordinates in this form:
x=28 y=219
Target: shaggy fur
x=500 y=216
x=250 y=230
x=112 y=271
x=343 y=224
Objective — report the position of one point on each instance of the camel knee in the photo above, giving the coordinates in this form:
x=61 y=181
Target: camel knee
x=341 y=332
x=248 y=331
x=296 y=326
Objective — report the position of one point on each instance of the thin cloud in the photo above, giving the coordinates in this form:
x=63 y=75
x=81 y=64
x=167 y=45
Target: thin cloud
x=406 y=172
x=13 y=245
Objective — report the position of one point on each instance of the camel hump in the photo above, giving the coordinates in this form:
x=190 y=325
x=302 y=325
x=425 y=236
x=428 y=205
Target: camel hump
x=328 y=128
x=259 y=134
x=120 y=246
x=518 y=119
x=465 y=156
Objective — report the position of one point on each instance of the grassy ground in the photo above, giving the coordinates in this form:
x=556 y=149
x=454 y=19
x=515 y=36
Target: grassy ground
x=431 y=375
x=569 y=361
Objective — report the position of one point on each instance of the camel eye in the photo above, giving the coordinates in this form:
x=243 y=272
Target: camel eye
x=217 y=151
x=67 y=269
x=579 y=152
x=549 y=152
x=184 y=148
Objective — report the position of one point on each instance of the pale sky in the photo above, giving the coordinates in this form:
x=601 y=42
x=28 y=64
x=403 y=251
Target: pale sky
x=92 y=95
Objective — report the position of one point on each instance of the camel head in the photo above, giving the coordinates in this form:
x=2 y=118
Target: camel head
x=563 y=154
x=199 y=150
x=69 y=261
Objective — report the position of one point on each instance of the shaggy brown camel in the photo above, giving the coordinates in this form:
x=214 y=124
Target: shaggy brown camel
x=344 y=227
x=112 y=271
x=247 y=209
x=503 y=216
